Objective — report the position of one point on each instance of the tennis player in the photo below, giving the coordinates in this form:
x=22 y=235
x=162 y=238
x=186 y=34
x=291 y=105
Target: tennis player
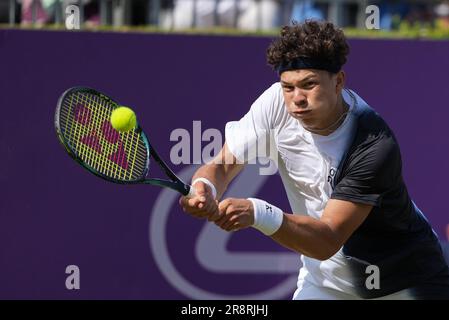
x=360 y=234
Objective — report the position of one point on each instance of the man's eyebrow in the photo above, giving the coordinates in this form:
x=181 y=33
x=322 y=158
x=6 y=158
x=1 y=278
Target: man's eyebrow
x=311 y=77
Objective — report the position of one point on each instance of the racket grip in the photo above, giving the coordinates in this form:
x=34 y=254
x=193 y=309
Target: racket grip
x=192 y=192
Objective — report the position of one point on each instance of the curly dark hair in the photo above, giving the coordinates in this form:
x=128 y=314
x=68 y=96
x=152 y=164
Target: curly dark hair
x=319 y=40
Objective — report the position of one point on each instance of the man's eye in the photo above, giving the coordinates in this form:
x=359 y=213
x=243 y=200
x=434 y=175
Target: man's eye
x=309 y=85
x=288 y=88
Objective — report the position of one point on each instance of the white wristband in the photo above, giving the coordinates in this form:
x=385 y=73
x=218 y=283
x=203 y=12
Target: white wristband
x=210 y=184
x=267 y=218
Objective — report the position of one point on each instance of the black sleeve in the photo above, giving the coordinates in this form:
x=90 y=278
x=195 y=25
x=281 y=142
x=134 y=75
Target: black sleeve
x=371 y=171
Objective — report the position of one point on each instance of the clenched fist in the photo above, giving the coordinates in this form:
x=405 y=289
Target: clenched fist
x=203 y=204
x=234 y=214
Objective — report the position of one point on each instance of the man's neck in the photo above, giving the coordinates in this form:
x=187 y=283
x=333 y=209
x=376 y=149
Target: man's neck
x=335 y=120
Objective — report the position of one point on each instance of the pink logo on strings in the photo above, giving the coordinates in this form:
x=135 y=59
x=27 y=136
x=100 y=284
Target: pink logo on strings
x=119 y=157
x=84 y=117
x=92 y=141
x=109 y=133
x=82 y=114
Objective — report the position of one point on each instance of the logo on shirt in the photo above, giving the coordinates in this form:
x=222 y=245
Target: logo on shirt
x=331 y=176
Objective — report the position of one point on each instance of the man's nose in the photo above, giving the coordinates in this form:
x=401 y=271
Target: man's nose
x=299 y=98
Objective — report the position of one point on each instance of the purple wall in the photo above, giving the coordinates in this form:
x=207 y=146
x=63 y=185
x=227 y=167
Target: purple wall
x=54 y=214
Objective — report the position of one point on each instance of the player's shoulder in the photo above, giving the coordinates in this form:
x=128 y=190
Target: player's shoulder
x=276 y=87
x=270 y=103
x=371 y=126
x=273 y=92
x=373 y=134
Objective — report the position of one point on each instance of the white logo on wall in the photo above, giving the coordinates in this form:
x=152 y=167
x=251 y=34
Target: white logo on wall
x=373 y=20
x=187 y=149
x=73 y=280
x=72 y=20
x=211 y=249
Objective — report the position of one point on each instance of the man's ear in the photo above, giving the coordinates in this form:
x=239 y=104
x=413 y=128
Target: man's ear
x=340 y=77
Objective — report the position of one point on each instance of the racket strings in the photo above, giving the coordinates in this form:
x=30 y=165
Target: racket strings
x=84 y=120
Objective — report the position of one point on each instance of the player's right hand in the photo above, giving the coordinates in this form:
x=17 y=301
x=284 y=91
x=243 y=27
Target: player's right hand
x=202 y=205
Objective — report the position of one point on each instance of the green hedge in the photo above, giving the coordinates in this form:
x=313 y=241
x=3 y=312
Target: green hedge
x=403 y=31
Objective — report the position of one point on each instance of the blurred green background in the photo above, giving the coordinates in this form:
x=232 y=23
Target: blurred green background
x=419 y=19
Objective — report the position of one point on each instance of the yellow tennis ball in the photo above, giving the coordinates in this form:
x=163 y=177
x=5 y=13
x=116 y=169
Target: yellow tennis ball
x=123 y=119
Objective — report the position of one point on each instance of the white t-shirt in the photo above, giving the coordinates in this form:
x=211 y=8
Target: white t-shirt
x=307 y=164
x=395 y=237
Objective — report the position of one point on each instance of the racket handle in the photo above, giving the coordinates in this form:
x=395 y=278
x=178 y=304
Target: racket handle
x=192 y=192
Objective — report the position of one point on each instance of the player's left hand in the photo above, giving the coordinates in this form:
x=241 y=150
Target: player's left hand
x=202 y=205
x=235 y=214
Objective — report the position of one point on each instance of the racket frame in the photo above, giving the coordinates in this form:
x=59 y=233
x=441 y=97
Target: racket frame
x=174 y=183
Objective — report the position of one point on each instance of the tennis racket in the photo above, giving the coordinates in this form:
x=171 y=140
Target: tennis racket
x=82 y=122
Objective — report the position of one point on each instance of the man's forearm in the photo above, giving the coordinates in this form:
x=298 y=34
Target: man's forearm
x=308 y=236
x=220 y=171
x=316 y=238
x=219 y=174
x=215 y=174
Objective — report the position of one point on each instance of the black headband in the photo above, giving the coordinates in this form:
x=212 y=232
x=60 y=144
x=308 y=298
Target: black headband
x=307 y=63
